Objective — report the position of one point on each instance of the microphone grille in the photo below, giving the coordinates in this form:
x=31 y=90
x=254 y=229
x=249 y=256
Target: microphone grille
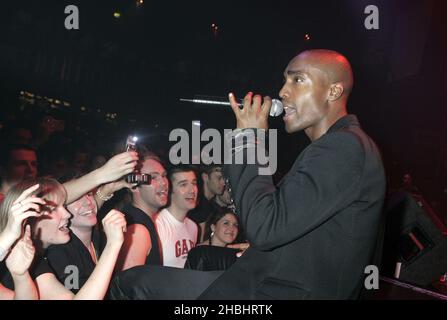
x=277 y=108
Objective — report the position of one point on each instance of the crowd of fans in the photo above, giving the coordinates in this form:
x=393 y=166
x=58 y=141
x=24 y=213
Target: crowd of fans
x=70 y=222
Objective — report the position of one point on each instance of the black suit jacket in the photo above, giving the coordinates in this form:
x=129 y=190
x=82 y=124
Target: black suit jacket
x=313 y=235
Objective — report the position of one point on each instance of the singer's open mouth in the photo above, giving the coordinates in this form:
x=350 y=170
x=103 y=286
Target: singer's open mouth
x=289 y=111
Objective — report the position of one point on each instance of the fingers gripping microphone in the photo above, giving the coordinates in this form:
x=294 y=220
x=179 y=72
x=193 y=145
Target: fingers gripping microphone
x=276 y=109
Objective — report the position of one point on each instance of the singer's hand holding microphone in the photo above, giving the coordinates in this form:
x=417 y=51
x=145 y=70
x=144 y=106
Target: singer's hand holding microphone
x=254 y=113
x=244 y=109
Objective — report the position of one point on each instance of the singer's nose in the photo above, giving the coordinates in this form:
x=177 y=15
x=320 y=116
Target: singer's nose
x=283 y=93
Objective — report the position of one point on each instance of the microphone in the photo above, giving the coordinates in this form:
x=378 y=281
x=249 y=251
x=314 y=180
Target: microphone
x=276 y=109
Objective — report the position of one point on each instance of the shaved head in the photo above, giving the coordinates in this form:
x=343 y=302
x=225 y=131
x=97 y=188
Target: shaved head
x=317 y=84
x=335 y=65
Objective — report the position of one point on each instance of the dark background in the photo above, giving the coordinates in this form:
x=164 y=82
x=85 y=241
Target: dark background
x=140 y=64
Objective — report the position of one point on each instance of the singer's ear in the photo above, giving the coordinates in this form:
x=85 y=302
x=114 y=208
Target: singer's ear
x=336 y=91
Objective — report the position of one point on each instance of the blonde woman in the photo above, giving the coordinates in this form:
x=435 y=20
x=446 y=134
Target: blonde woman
x=21 y=255
x=52 y=228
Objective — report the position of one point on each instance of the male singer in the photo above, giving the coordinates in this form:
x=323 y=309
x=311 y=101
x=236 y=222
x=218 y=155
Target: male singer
x=312 y=235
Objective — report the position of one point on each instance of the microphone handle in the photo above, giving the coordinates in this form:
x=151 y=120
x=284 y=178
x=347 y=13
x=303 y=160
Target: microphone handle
x=276 y=110
x=215 y=102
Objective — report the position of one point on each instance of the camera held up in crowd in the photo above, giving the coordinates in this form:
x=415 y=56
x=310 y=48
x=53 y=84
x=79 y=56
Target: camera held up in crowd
x=136 y=177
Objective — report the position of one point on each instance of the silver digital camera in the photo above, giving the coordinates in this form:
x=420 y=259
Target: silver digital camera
x=136 y=177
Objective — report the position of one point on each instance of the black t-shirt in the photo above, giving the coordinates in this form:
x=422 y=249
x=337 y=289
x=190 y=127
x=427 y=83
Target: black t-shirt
x=73 y=253
x=5 y=277
x=204 y=210
x=210 y=258
x=137 y=216
x=39 y=267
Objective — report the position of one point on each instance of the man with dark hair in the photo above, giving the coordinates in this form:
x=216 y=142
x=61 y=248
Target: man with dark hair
x=178 y=233
x=213 y=185
x=18 y=162
x=312 y=235
x=141 y=242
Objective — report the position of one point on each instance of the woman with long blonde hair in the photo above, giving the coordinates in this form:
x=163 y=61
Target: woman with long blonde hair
x=16 y=245
x=51 y=227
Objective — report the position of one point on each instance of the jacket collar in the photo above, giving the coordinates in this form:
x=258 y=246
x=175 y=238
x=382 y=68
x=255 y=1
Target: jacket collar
x=344 y=122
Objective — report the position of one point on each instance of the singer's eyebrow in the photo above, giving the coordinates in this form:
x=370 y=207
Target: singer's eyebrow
x=294 y=73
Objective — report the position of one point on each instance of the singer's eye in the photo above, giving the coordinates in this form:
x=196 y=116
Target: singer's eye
x=298 y=79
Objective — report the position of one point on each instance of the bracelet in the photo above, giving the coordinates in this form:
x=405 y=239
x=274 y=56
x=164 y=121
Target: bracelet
x=102 y=197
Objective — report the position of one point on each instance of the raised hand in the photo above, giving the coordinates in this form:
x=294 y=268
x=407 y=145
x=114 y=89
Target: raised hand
x=23 y=207
x=118 y=166
x=22 y=254
x=114 y=224
x=253 y=114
